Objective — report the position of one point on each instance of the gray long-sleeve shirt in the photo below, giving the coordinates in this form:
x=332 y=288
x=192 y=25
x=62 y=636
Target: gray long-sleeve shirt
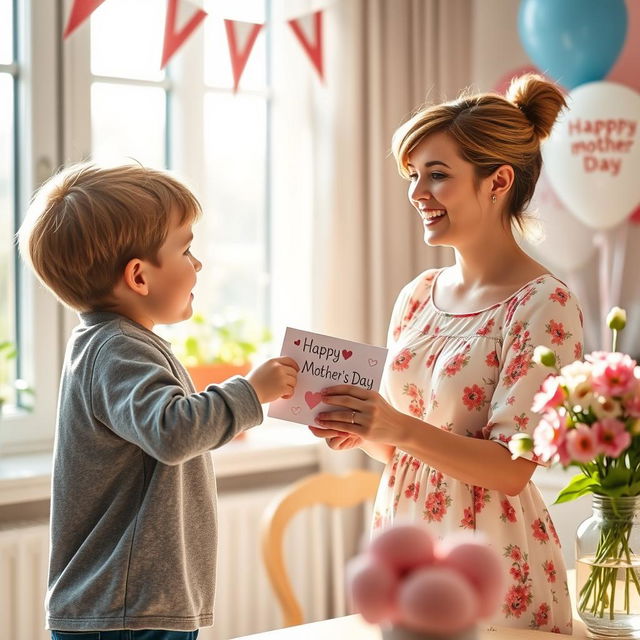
x=133 y=509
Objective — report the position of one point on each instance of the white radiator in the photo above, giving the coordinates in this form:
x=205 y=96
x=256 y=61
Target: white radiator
x=24 y=551
x=316 y=548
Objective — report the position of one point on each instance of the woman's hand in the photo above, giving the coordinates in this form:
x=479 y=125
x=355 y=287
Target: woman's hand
x=338 y=440
x=367 y=415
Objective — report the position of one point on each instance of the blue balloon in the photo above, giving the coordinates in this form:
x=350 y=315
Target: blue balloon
x=573 y=41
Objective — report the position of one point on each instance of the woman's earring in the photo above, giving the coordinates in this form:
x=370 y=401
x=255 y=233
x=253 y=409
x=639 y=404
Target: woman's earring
x=494 y=199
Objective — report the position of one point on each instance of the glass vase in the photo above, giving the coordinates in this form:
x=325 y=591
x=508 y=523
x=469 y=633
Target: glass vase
x=608 y=568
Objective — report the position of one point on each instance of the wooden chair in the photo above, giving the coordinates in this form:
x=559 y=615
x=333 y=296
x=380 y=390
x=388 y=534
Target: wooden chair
x=318 y=489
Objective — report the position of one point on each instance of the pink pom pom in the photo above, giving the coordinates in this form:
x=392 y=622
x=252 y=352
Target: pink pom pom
x=372 y=586
x=437 y=600
x=481 y=566
x=404 y=547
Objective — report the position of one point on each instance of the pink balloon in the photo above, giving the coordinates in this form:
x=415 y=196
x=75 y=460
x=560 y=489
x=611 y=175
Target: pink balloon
x=404 y=547
x=482 y=567
x=437 y=600
x=502 y=84
x=372 y=586
x=626 y=69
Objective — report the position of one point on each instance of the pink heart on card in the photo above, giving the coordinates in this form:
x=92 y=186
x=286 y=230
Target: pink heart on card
x=296 y=342
x=372 y=362
x=312 y=399
x=296 y=410
x=346 y=354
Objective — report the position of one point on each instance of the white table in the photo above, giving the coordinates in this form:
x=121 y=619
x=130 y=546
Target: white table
x=355 y=628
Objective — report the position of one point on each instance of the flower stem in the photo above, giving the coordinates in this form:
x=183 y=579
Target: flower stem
x=598 y=594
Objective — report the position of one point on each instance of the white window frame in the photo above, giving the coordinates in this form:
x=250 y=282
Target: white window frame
x=40 y=314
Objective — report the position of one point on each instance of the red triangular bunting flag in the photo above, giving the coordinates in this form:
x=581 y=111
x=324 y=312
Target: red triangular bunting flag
x=241 y=37
x=80 y=11
x=173 y=39
x=313 y=49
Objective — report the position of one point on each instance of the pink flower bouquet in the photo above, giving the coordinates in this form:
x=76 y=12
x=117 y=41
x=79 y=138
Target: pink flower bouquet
x=591 y=420
x=416 y=588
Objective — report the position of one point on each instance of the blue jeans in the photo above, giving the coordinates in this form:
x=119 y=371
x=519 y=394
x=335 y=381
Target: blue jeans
x=125 y=634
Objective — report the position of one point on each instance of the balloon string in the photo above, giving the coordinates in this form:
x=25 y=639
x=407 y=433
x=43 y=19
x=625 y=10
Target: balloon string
x=602 y=239
x=577 y=284
x=619 y=255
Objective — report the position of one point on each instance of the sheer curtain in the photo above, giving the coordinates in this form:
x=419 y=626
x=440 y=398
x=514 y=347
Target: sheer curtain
x=384 y=59
x=344 y=236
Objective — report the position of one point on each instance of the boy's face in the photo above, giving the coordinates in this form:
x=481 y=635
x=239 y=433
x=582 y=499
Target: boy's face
x=170 y=285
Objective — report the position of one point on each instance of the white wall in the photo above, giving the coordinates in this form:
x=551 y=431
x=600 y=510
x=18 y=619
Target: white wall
x=495 y=43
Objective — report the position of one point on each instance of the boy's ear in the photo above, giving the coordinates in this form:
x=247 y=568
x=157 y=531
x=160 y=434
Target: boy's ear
x=134 y=277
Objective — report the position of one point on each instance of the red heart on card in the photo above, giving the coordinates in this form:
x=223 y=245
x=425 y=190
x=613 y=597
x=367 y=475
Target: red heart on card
x=312 y=399
x=296 y=342
x=296 y=410
x=346 y=354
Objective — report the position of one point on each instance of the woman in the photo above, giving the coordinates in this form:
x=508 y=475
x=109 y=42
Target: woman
x=460 y=378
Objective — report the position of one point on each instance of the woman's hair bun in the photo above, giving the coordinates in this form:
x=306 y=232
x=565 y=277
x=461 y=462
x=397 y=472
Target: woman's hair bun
x=540 y=100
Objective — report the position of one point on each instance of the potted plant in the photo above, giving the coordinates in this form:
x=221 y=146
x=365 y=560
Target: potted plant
x=213 y=351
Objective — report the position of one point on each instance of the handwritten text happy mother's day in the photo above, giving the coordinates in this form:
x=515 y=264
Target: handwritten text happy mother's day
x=325 y=361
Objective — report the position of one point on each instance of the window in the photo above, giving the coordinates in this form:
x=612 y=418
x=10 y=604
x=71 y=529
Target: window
x=187 y=119
x=100 y=94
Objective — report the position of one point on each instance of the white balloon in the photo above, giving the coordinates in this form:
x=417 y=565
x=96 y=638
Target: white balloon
x=593 y=154
x=567 y=244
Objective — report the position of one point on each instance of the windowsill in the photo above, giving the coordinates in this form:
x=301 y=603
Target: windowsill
x=273 y=446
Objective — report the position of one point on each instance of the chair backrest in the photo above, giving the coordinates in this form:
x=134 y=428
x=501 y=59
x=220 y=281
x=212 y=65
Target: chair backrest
x=327 y=489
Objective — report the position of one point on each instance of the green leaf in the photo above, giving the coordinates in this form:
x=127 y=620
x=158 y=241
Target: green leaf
x=634 y=488
x=616 y=478
x=9 y=349
x=191 y=347
x=578 y=486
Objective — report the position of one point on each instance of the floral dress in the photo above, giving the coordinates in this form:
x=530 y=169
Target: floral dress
x=473 y=374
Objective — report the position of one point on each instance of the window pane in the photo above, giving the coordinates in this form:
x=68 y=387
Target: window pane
x=128 y=122
x=6 y=31
x=7 y=205
x=217 y=60
x=231 y=238
x=126 y=39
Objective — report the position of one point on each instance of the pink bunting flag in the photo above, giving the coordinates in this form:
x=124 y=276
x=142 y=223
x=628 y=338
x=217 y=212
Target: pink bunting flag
x=175 y=38
x=312 y=47
x=241 y=36
x=80 y=11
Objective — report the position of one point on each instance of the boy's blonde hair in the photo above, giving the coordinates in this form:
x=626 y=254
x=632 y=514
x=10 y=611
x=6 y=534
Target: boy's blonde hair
x=86 y=222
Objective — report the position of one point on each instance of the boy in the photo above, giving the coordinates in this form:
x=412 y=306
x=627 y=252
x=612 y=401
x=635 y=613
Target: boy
x=133 y=509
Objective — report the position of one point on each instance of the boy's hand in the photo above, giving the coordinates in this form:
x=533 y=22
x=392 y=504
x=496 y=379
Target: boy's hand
x=275 y=378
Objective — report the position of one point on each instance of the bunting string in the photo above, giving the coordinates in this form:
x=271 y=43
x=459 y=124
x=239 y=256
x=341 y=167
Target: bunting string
x=241 y=36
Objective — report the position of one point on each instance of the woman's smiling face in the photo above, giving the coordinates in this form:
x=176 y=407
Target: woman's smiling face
x=445 y=192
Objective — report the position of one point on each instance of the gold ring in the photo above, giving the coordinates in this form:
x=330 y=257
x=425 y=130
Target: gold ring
x=353 y=417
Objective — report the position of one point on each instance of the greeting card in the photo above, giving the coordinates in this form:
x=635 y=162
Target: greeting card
x=325 y=361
